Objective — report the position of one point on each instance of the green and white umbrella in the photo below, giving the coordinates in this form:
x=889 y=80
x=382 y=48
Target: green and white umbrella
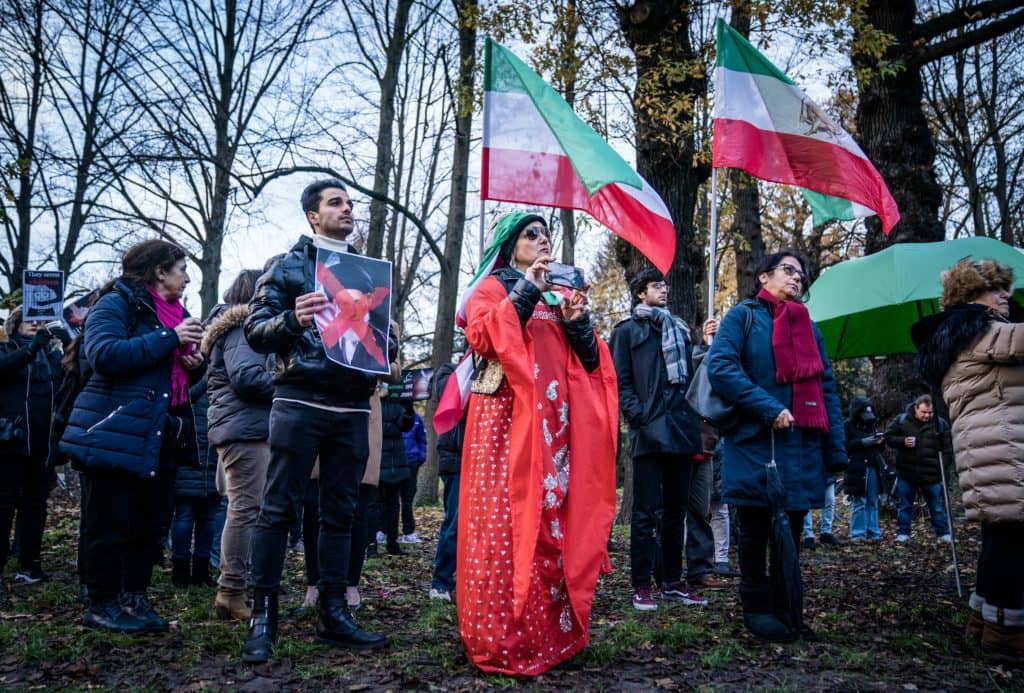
x=866 y=306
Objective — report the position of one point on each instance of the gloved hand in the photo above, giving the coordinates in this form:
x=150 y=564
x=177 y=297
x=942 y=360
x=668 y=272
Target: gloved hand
x=60 y=333
x=40 y=340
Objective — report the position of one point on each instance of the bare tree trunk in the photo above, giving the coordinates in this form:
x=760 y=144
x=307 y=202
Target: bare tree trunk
x=386 y=127
x=444 y=325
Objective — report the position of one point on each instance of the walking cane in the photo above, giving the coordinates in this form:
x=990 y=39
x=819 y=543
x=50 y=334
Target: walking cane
x=949 y=518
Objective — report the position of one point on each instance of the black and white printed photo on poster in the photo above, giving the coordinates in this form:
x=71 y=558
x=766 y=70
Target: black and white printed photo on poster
x=75 y=312
x=42 y=295
x=354 y=327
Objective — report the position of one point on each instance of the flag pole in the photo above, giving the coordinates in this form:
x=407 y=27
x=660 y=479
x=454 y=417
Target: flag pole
x=483 y=226
x=713 y=239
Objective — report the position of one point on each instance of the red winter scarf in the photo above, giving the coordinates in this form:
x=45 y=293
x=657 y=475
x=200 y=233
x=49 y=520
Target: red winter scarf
x=798 y=361
x=170 y=316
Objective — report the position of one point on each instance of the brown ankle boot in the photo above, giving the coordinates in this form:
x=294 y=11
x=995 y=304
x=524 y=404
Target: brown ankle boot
x=1007 y=640
x=975 y=626
x=232 y=604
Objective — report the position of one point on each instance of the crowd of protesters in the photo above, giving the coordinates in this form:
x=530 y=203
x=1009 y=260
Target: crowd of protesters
x=231 y=434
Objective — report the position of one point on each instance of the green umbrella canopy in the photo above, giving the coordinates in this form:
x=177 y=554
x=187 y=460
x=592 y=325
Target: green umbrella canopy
x=866 y=306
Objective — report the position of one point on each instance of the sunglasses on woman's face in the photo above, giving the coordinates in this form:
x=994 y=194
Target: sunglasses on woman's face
x=532 y=233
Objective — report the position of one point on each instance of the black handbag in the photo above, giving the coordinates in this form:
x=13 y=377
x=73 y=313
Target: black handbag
x=703 y=399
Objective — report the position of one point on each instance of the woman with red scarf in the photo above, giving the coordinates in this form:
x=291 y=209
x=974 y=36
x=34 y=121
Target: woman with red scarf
x=537 y=496
x=769 y=359
x=130 y=426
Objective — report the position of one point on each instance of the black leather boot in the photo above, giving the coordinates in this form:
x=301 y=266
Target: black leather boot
x=107 y=614
x=201 y=572
x=137 y=604
x=259 y=643
x=181 y=572
x=336 y=626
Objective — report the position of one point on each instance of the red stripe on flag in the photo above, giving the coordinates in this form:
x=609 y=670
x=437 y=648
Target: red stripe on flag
x=549 y=180
x=805 y=162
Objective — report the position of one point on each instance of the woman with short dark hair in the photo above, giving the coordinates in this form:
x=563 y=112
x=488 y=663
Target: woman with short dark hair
x=131 y=426
x=769 y=359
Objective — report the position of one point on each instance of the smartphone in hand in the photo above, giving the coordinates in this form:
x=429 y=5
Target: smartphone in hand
x=566 y=275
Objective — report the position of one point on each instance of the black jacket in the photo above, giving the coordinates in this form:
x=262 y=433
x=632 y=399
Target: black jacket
x=863 y=448
x=201 y=480
x=239 y=385
x=659 y=418
x=28 y=380
x=302 y=370
x=919 y=465
x=396 y=418
x=449 y=444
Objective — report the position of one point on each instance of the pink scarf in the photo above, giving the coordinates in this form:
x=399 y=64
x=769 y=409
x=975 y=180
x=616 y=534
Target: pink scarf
x=170 y=315
x=798 y=361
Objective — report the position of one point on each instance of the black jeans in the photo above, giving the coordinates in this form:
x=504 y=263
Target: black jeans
x=1001 y=564
x=298 y=434
x=660 y=492
x=24 y=490
x=408 y=496
x=119 y=532
x=758 y=589
x=359 y=529
x=390 y=500
x=311 y=531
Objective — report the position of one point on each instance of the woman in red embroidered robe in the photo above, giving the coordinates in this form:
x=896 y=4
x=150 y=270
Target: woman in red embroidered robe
x=538 y=472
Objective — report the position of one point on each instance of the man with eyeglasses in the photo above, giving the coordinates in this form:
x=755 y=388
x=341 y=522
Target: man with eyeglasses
x=652 y=352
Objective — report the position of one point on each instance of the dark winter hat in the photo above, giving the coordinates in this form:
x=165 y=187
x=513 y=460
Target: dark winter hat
x=518 y=222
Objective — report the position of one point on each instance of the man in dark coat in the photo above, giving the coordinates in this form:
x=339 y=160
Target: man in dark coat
x=321 y=408
x=864 y=445
x=652 y=353
x=920 y=438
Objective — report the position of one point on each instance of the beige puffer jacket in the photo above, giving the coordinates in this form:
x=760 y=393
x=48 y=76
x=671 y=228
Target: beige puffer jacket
x=984 y=389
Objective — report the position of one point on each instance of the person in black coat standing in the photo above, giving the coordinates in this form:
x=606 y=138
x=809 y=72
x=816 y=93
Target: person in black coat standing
x=320 y=409
x=30 y=373
x=864 y=444
x=397 y=417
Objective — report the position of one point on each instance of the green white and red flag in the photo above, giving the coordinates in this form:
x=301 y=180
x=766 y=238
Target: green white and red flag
x=538 y=151
x=765 y=125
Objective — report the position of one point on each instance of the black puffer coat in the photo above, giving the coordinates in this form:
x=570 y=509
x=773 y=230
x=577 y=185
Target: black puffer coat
x=239 y=386
x=919 y=465
x=396 y=418
x=863 y=447
x=28 y=381
x=302 y=370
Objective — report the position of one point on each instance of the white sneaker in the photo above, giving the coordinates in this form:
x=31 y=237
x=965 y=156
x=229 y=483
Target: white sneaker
x=903 y=538
x=443 y=595
x=946 y=539
x=409 y=539
x=381 y=537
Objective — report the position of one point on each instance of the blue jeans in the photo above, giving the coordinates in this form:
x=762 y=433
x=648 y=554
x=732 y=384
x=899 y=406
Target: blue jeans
x=196 y=513
x=447 y=538
x=220 y=516
x=864 y=509
x=932 y=495
x=828 y=512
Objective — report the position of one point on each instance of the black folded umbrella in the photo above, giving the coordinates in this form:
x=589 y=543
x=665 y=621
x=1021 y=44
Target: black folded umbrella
x=789 y=596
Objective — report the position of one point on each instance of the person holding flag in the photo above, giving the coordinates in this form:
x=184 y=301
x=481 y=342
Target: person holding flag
x=538 y=479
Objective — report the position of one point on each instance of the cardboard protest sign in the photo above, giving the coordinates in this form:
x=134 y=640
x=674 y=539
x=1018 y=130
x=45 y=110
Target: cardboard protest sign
x=42 y=295
x=354 y=327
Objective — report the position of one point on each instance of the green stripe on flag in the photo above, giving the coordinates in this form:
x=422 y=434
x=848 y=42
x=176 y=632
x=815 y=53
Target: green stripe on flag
x=596 y=164
x=734 y=52
x=826 y=207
